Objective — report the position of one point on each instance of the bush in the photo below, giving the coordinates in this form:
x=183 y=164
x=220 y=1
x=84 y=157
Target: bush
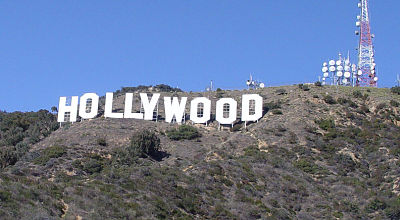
x=183 y=132
x=393 y=209
x=394 y=103
x=281 y=92
x=102 y=142
x=309 y=167
x=329 y=100
x=271 y=105
x=380 y=106
x=326 y=124
x=236 y=127
x=92 y=166
x=376 y=205
x=277 y=112
x=8 y=156
x=357 y=94
x=304 y=87
x=144 y=143
x=395 y=90
x=48 y=153
x=5 y=196
x=19 y=130
x=318 y=83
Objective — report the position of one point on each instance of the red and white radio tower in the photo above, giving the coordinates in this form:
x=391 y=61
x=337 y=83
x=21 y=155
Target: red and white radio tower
x=366 y=75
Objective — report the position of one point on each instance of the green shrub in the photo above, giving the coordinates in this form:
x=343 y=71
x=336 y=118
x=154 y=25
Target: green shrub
x=380 y=106
x=395 y=90
x=357 y=94
x=281 y=92
x=394 y=103
x=101 y=142
x=19 y=130
x=48 y=153
x=144 y=143
x=184 y=132
x=277 y=112
x=318 y=83
x=326 y=124
x=342 y=101
x=271 y=105
x=304 y=87
x=236 y=127
x=8 y=156
x=5 y=196
x=376 y=205
x=329 y=100
x=309 y=167
x=393 y=208
x=92 y=166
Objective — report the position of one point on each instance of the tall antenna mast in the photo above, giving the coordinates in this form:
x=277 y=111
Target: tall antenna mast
x=366 y=63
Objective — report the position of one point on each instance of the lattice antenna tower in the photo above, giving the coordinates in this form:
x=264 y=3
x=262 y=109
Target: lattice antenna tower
x=367 y=76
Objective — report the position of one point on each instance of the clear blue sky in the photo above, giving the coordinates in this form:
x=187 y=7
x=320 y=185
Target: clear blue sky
x=64 y=48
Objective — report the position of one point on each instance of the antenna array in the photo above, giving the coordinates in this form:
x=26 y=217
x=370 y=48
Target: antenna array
x=339 y=72
x=254 y=84
x=342 y=72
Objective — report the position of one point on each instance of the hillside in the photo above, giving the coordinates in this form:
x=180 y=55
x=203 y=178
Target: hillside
x=317 y=153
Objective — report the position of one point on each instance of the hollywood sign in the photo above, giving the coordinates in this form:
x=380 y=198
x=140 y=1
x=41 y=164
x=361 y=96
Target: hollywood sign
x=174 y=108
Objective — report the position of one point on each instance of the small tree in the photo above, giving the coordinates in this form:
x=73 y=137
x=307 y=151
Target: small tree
x=395 y=90
x=144 y=143
x=54 y=109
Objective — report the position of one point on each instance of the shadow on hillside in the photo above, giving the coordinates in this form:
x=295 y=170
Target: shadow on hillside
x=160 y=155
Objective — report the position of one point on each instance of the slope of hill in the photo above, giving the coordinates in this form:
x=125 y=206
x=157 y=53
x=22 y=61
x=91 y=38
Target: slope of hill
x=317 y=153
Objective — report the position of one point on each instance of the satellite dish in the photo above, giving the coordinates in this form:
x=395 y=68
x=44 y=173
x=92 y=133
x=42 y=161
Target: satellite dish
x=325 y=69
x=323 y=79
x=347 y=68
x=340 y=68
x=339 y=73
x=339 y=62
x=325 y=64
x=373 y=71
x=248 y=82
x=358 y=24
x=332 y=63
x=347 y=74
x=262 y=85
x=376 y=79
x=347 y=62
x=332 y=68
x=323 y=83
x=326 y=75
x=344 y=81
x=360 y=72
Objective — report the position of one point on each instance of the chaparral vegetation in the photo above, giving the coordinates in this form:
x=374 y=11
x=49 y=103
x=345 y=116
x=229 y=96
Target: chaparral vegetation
x=318 y=152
